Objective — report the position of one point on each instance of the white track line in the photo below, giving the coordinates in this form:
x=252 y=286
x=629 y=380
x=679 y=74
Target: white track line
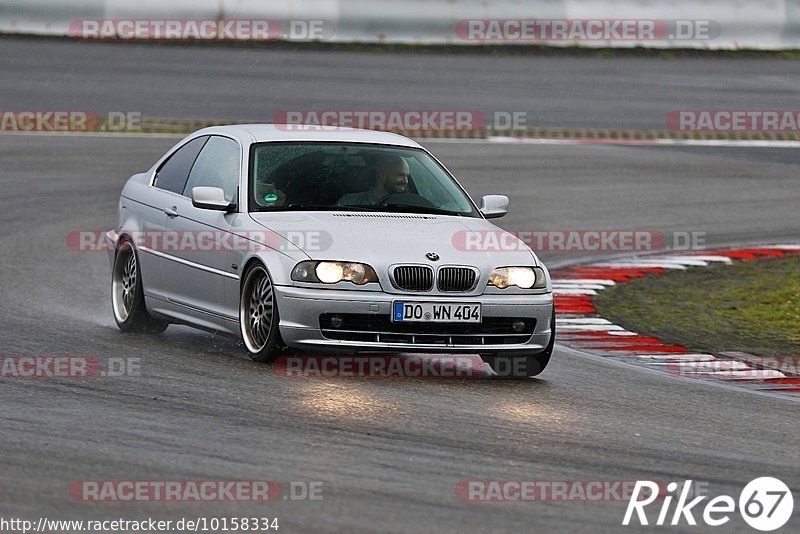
x=697 y=366
x=561 y=281
x=663 y=358
x=782 y=247
x=591 y=328
x=589 y=340
x=638 y=264
x=751 y=374
x=575 y=292
x=685 y=262
x=648 y=142
x=584 y=320
x=596 y=287
x=723 y=259
x=677 y=260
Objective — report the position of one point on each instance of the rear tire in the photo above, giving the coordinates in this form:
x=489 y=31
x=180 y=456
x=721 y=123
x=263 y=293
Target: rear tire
x=127 y=293
x=525 y=365
x=258 y=316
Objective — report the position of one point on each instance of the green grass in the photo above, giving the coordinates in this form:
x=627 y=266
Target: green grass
x=750 y=306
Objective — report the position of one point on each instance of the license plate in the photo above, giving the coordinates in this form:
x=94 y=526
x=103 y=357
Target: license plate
x=435 y=312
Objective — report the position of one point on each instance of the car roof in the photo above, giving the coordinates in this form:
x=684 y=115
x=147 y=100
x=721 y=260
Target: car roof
x=260 y=133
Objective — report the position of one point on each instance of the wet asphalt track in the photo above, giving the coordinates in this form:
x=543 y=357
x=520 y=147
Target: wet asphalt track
x=389 y=452
x=236 y=83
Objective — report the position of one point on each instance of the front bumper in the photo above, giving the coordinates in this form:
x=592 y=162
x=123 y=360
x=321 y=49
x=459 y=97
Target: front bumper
x=300 y=309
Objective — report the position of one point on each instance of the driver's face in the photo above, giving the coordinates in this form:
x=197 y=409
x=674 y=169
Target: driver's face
x=395 y=177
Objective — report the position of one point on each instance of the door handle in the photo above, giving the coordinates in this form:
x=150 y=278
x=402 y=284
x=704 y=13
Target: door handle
x=172 y=212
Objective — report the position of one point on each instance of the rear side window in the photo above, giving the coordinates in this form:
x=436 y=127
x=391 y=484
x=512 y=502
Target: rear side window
x=174 y=172
x=216 y=166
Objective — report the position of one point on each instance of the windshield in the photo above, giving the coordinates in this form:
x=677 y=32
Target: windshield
x=351 y=176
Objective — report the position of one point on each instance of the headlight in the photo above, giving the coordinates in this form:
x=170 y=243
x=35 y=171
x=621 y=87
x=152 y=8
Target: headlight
x=524 y=277
x=332 y=272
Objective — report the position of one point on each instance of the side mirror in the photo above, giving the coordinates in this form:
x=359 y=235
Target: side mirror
x=494 y=206
x=211 y=198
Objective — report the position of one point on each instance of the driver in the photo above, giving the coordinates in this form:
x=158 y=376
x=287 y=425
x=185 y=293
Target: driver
x=391 y=176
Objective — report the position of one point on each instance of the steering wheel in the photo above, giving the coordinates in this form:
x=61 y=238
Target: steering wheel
x=405 y=199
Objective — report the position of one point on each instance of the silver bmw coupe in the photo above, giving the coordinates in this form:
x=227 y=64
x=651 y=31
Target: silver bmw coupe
x=326 y=240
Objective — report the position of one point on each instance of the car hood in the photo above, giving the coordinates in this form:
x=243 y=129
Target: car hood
x=389 y=238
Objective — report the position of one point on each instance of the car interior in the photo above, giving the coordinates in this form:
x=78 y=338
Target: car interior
x=320 y=177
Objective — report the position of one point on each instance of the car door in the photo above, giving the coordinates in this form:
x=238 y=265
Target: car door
x=150 y=213
x=196 y=271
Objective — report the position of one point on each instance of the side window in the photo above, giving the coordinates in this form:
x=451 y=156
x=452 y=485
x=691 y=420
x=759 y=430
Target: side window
x=173 y=173
x=216 y=166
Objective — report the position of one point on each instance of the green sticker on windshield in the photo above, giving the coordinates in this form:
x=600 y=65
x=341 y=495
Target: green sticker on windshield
x=272 y=197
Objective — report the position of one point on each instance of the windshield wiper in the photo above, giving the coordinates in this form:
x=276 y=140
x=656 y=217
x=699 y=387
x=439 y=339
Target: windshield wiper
x=400 y=208
x=392 y=208
x=298 y=206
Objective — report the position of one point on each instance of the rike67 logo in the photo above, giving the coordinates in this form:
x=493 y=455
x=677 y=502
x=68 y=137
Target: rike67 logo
x=765 y=503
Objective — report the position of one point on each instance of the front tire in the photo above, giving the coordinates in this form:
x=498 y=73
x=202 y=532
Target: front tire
x=127 y=293
x=258 y=316
x=526 y=365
